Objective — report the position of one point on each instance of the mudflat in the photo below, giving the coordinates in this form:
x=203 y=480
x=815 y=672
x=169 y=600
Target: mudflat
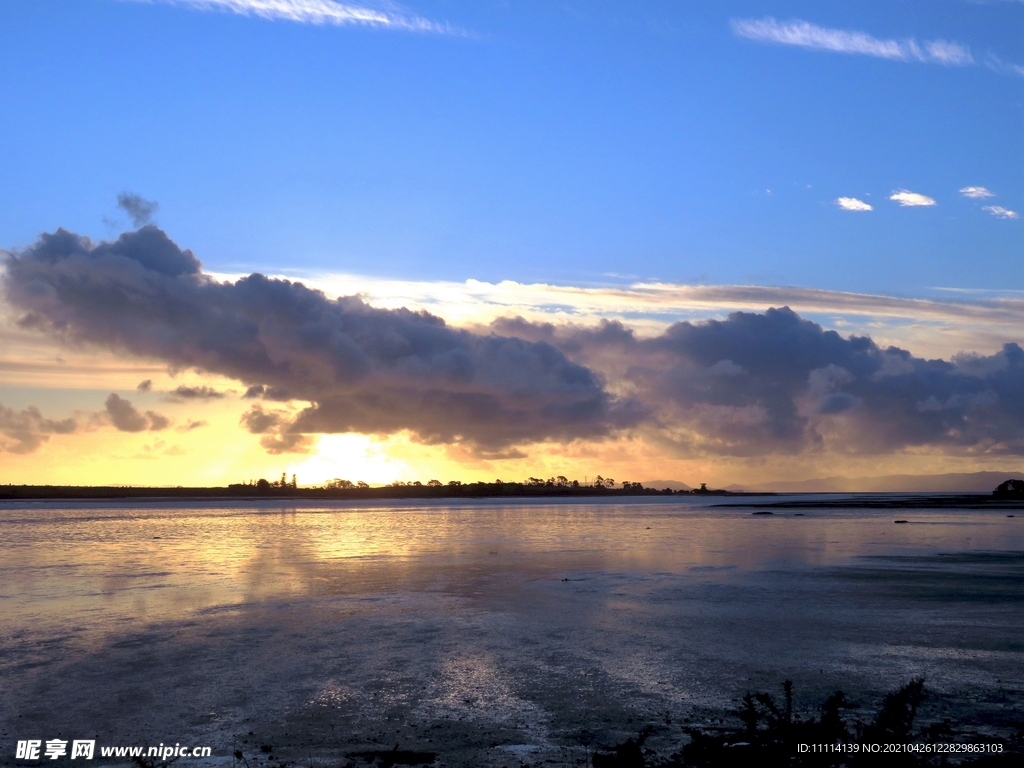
x=490 y=632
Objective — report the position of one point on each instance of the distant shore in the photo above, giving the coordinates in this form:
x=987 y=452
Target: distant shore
x=247 y=491
x=510 y=491
x=892 y=501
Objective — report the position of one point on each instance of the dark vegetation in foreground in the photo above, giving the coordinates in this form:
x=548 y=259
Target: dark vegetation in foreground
x=771 y=735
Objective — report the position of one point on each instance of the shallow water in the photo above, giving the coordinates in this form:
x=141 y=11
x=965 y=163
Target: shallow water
x=487 y=631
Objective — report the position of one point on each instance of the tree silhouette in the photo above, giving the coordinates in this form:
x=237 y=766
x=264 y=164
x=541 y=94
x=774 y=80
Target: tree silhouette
x=1012 y=489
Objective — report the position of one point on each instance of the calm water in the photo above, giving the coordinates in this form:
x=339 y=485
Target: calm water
x=531 y=623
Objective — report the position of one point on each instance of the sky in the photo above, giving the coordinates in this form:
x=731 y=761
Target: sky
x=710 y=242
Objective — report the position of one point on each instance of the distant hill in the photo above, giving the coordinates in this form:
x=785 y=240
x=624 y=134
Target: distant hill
x=953 y=482
x=676 y=485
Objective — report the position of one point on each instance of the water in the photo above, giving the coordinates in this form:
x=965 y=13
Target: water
x=490 y=632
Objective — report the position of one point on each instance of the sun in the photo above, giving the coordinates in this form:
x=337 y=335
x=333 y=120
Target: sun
x=350 y=457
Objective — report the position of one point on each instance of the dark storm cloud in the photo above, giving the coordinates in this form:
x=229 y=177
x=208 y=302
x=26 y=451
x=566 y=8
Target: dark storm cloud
x=361 y=369
x=752 y=384
x=267 y=393
x=25 y=431
x=773 y=382
x=139 y=209
x=126 y=418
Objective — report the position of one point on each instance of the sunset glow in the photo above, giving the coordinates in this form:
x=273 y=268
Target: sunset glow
x=435 y=274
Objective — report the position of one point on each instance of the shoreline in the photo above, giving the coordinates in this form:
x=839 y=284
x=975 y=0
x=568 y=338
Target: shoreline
x=892 y=501
x=820 y=500
x=467 y=491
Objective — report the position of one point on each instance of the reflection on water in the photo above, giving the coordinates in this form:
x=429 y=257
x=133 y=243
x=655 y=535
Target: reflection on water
x=533 y=617
x=100 y=568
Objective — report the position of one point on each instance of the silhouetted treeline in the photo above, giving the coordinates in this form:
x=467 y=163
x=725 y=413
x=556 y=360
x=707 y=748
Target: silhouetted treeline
x=534 y=486
x=1009 y=493
x=1009 y=489
x=345 y=489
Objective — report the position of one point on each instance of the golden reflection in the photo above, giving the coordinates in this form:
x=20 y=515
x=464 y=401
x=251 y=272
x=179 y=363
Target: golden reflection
x=102 y=570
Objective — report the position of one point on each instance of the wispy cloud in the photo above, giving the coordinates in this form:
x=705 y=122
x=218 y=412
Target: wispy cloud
x=853 y=204
x=996 y=64
x=950 y=54
x=911 y=199
x=807 y=35
x=316 y=12
x=932 y=327
x=1000 y=212
x=976 y=192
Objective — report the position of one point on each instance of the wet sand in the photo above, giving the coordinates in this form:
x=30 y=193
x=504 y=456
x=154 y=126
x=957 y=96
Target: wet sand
x=488 y=633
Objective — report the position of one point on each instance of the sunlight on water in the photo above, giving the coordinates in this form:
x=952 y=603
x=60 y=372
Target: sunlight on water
x=99 y=568
x=527 y=625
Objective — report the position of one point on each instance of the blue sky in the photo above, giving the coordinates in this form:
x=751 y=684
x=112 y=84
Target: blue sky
x=572 y=143
x=602 y=200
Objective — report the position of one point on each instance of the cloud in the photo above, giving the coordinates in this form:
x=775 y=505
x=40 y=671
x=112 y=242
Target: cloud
x=753 y=384
x=935 y=327
x=950 y=54
x=190 y=425
x=26 y=430
x=807 y=35
x=318 y=12
x=157 y=422
x=287 y=443
x=359 y=368
x=653 y=306
x=139 y=210
x=976 y=192
x=145 y=386
x=267 y=393
x=275 y=440
x=258 y=421
x=773 y=382
x=126 y=418
x=940 y=327
x=911 y=199
x=999 y=211
x=194 y=393
x=853 y=204
x=996 y=64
